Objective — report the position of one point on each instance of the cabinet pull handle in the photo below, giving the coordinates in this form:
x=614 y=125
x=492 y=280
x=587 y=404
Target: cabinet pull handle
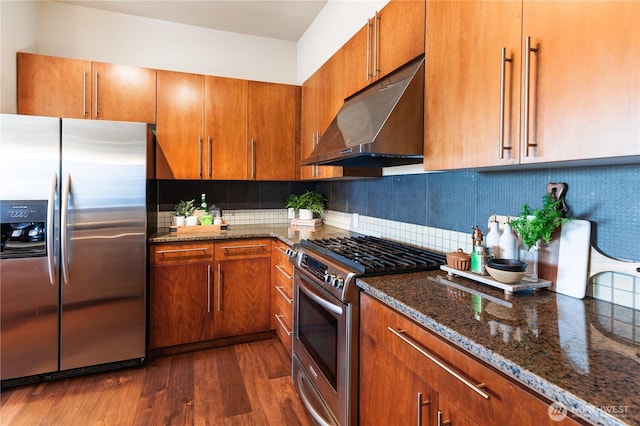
x=253 y=158
x=244 y=247
x=200 y=157
x=527 y=71
x=368 y=50
x=501 y=147
x=219 y=287
x=210 y=160
x=476 y=388
x=281 y=250
x=421 y=404
x=283 y=272
x=97 y=76
x=442 y=422
x=84 y=92
x=182 y=250
x=283 y=325
x=376 y=42
x=283 y=294
x=208 y=288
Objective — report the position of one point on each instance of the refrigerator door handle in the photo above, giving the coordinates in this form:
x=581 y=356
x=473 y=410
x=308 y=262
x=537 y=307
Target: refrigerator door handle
x=64 y=212
x=53 y=279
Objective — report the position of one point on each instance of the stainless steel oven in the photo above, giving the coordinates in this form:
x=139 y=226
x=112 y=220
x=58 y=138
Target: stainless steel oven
x=326 y=317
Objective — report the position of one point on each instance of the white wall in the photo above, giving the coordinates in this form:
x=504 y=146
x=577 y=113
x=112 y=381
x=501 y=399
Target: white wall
x=18 y=25
x=66 y=30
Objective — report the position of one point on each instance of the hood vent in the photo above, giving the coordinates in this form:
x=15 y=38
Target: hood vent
x=381 y=126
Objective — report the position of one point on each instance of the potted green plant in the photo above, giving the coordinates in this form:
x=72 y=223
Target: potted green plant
x=183 y=210
x=536 y=226
x=309 y=204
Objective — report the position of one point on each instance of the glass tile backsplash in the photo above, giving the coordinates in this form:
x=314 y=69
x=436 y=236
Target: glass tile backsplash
x=437 y=210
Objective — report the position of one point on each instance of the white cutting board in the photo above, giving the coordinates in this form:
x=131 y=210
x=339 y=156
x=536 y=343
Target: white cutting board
x=573 y=258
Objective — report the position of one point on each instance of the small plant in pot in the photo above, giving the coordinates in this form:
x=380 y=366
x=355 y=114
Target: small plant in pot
x=183 y=210
x=309 y=204
x=536 y=226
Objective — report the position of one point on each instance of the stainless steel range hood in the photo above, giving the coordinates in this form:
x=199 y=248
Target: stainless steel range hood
x=381 y=126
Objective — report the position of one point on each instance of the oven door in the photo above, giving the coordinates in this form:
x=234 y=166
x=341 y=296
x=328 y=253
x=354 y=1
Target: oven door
x=325 y=352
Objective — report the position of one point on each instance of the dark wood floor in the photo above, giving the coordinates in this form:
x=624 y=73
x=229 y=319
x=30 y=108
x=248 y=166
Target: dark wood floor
x=245 y=384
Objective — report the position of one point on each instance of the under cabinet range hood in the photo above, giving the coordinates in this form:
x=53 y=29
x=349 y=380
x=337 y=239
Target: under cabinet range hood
x=381 y=126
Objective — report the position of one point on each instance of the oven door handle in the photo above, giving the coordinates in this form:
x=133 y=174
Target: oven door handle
x=305 y=401
x=304 y=283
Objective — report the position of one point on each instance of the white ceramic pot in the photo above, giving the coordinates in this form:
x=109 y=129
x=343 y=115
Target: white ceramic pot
x=305 y=214
x=177 y=220
x=191 y=220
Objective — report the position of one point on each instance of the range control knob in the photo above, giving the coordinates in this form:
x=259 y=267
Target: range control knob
x=338 y=283
x=329 y=278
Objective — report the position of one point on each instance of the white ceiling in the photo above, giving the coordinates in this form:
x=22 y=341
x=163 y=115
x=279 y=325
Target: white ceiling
x=283 y=20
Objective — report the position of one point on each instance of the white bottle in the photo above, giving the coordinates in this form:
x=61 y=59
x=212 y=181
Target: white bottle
x=508 y=243
x=492 y=240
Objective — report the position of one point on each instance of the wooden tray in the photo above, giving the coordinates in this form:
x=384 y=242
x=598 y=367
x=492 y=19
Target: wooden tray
x=200 y=229
x=486 y=279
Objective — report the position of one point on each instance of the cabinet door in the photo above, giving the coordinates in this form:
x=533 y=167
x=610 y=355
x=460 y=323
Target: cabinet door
x=180 y=125
x=390 y=39
x=390 y=393
x=54 y=87
x=180 y=294
x=463 y=84
x=322 y=98
x=226 y=150
x=274 y=124
x=123 y=93
x=583 y=102
x=180 y=305
x=243 y=297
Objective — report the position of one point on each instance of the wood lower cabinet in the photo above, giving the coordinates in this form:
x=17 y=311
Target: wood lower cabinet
x=242 y=286
x=390 y=39
x=555 y=101
x=393 y=345
x=181 y=297
x=72 y=88
x=282 y=293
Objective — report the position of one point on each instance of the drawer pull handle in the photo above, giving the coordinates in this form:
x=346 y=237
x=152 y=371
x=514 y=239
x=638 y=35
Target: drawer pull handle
x=476 y=388
x=244 y=247
x=283 y=325
x=283 y=294
x=281 y=250
x=182 y=250
x=283 y=272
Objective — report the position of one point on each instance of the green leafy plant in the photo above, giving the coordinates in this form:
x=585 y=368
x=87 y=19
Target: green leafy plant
x=535 y=225
x=185 y=208
x=310 y=200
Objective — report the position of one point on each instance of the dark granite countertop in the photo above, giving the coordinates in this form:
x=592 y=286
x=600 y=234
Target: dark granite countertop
x=581 y=353
x=281 y=231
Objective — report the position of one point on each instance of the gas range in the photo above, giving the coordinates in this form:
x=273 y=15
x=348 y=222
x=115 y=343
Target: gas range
x=336 y=262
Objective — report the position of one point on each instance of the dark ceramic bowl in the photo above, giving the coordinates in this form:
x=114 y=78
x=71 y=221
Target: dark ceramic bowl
x=510 y=265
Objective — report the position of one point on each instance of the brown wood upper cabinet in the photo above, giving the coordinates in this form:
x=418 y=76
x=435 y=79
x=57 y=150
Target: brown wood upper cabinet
x=391 y=38
x=322 y=97
x=72 y=88
x=224 y=128
x=512 y=82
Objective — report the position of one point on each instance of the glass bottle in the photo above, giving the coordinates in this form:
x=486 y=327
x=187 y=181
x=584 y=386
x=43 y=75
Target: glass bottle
x=203 y=204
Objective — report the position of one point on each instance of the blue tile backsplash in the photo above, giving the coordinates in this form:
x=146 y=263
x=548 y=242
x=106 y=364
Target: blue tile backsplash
x=609 y=196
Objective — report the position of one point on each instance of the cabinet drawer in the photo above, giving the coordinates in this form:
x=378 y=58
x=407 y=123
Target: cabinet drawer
x=283 y=314
x=479 y=391
x=242 y=249
x=279 y=256
x=283 y=278
x=181 y=253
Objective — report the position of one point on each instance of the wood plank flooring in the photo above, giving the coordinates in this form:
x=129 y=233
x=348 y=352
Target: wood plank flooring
x=245 y=384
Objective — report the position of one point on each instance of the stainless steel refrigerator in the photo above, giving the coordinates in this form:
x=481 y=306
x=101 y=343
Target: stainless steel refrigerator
x=73 y=257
